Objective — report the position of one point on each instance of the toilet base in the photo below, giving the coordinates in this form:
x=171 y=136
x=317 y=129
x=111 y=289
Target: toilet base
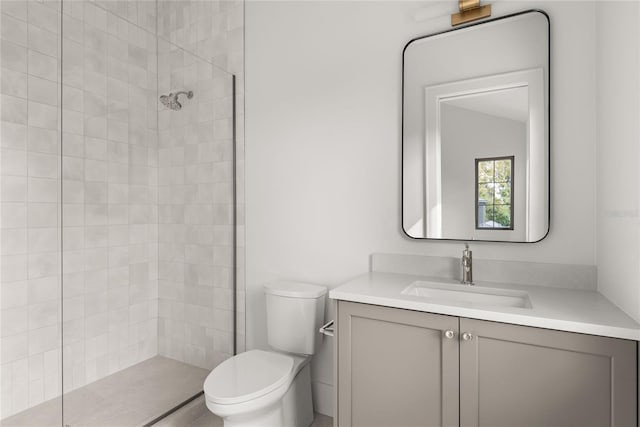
x=295 y=409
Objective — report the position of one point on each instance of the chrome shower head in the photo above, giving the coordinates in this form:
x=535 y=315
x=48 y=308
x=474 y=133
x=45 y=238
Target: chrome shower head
x=171 y=101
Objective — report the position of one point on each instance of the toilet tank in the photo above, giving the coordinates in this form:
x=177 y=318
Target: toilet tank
x=295 y=312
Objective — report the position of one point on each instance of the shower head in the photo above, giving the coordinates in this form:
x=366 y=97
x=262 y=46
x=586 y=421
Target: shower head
x=171 y=100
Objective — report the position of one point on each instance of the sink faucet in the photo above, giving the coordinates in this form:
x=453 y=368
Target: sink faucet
x=467 y=266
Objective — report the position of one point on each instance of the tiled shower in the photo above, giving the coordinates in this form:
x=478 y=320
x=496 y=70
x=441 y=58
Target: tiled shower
x=121 y=220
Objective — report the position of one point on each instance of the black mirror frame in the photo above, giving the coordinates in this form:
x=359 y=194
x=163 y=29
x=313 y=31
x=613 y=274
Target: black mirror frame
x=548 y=130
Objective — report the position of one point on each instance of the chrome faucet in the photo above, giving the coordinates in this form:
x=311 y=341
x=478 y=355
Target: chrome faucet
x=467 y=266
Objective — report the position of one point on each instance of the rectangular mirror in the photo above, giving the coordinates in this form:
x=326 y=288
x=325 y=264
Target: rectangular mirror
x=475 y=132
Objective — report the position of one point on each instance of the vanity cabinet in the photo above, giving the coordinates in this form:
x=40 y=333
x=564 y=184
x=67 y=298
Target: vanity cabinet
x=407 y=368
x=394 y=367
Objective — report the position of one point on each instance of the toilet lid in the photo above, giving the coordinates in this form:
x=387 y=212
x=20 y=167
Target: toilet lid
x=247 y=376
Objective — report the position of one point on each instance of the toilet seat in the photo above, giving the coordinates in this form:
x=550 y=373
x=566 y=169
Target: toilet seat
x=248 y=376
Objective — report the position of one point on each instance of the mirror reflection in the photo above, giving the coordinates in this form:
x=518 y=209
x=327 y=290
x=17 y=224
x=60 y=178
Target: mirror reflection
x=475 y=147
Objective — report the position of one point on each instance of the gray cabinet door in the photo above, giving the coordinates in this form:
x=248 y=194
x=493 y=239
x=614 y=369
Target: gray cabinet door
x=396 y=368
x=516 y=376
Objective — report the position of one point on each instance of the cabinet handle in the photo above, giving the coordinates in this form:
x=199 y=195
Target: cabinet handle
x=466 y=336
x=449 y=334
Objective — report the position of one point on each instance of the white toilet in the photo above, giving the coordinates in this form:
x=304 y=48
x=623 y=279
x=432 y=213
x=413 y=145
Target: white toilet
x=273 y=388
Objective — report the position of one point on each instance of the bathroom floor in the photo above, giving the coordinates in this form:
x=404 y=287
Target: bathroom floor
x=129 y=398
x=210 y=420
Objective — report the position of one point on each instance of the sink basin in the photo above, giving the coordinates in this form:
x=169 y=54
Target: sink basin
x=445 y=293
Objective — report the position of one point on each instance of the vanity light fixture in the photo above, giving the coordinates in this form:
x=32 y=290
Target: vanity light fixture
x=470 y=10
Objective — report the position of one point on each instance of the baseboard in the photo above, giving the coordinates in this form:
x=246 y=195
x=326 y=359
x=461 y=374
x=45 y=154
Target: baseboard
x=322 y=398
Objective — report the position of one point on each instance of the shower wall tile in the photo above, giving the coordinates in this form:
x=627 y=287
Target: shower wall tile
x=39 y=64
x=41 y=40
x=42 y=116
x=108 y=194
x=16 y=9
x=42 y=90
x=29 y=169
x=13 y=56
x=131 y=289
x=14 y=83
x=14 y=30
x=113 y=190
x=195 y=242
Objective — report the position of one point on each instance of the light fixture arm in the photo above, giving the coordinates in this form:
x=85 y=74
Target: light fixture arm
x=470 y=10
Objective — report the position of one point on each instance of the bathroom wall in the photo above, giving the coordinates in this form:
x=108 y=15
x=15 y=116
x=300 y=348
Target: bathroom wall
x=214 y=31
x=618 y=200
x=109 y=194
x=30 y=245
x=110 y=188
x=323 y=145
x=195 y=211
x=210 y=29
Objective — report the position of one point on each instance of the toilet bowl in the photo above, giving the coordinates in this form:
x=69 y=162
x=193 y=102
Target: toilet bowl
x=261 y=388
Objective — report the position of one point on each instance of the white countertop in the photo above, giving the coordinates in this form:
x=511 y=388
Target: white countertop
x=569 y=310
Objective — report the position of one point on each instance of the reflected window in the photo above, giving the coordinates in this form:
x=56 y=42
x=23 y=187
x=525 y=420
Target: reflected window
x=494 y=193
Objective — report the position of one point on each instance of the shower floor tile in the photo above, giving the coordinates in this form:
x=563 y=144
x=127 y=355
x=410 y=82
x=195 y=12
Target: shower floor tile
x=129 y=398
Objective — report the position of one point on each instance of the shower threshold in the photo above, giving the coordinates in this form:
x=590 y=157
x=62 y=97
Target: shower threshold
x=133 y=397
